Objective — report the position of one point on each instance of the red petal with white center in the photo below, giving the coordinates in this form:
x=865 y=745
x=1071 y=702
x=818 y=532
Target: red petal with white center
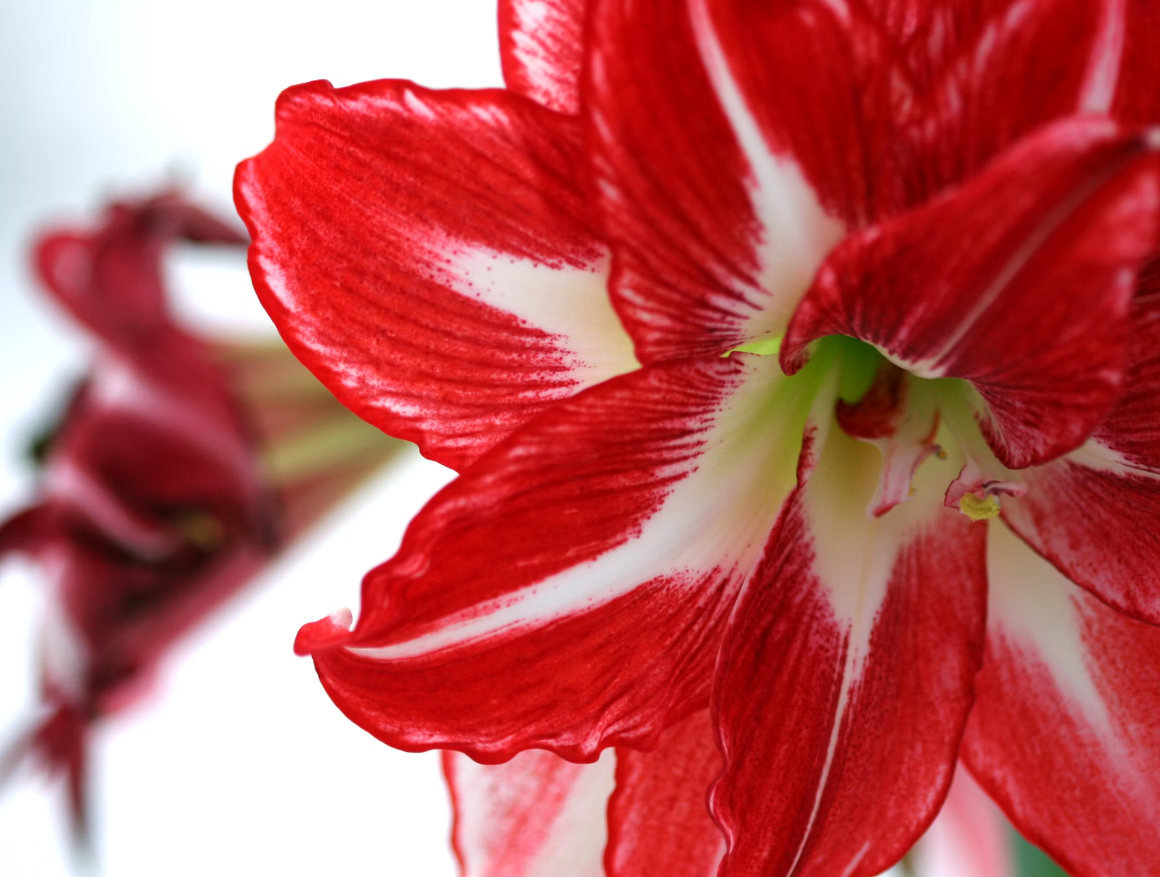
x=658 y=817
x=568 y=591
x=846 y=674
x=428 y=256
x=715 y=235
x=535 y=816
x=1064 y=733
x=1020 y=282
x=541 y=46
x=970 y=837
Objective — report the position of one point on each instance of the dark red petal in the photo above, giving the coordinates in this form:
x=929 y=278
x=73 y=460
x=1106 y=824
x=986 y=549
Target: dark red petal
x=568 y=591
x=144 y=447
x=428 y=256
x=846 y=674
x=1132 y=428
x=109 y=277
x=1135 y=39
x=970 y=837
x=535 y=816
x=715 y=234
x=541 y=47
x=975 y=77
x=658 y=817
x=1019 y=282
x=1065 y=731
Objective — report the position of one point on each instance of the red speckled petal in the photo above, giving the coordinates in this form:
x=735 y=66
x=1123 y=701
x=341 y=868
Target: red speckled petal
x=541 y=47
x=568 y=591
x=1020 y=282
x=1065 y=731
x=847 y=674
x=534 y=816
x=428 y=255
x=658 y=817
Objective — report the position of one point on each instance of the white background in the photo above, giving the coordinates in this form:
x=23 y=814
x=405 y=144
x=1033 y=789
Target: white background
x=239 y=764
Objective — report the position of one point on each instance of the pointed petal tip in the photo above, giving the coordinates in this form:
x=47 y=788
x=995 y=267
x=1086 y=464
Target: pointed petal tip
x=326 y=633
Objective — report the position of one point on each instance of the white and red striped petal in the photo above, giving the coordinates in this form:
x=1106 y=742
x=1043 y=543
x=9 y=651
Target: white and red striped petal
x=541 y=46
x=568 y=591
x=846 y=675
x=970 y=837
x=534 y=816
x=428 y=255
x=658 y=817
x=1063 y=734
x=716 y=235
x=1020 y=282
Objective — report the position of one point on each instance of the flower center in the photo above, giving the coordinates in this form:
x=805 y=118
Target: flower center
x=911 y=419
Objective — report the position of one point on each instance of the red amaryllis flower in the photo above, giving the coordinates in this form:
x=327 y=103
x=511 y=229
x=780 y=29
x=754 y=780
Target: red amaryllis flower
x=882 y=490
x=176 y=471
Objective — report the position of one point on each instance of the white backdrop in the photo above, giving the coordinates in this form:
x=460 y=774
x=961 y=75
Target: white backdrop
x=239 y=764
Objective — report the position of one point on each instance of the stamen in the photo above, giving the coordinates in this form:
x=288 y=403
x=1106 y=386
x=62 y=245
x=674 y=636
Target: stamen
x=902 y=424
x=978 y=497
x=979 y=509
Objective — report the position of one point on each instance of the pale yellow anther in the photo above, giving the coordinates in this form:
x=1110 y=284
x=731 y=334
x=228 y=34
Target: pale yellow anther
x=979 y=509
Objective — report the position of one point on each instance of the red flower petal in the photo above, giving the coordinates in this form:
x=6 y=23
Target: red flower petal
x=1132 y=428
x=846 y=674
x=1132 y=35
x=535 y=816
x=541 y=47
x=1095 y=513
x=1020 y=282
x=1063 y=735
x=568 y=591
x=1098 y=521
x=658 y=818
x=427 y=255
x=716 y=235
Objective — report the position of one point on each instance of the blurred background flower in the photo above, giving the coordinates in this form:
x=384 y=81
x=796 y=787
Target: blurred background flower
x=236 y=762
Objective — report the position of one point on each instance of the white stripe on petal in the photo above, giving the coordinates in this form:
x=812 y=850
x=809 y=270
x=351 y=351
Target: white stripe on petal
x=716 y=519
x=569 y=303
x=1032 y=605
x=796 y=232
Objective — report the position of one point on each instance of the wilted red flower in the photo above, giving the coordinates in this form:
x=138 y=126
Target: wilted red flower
x=168 y=481
x=930 y=217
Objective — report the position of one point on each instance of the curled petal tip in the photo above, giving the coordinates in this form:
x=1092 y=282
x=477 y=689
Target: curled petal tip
x=324 y=634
